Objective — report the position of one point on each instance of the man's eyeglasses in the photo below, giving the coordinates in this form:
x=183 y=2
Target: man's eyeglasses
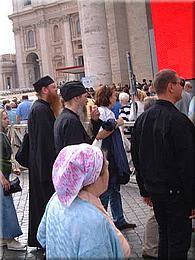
x=178 y=82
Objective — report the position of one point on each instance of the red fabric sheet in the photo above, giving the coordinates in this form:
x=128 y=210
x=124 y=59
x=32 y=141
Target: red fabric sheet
x=174 y=30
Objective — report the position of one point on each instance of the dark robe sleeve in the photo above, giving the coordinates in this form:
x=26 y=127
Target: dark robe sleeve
x=45 y=149
x=95 y=128
x=74 y=133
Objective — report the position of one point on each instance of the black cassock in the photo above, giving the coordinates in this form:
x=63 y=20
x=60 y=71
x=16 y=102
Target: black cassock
x=68 y=130
x=41 y=158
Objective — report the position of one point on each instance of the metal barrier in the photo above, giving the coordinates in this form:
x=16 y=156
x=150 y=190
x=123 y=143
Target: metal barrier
x=16 y=133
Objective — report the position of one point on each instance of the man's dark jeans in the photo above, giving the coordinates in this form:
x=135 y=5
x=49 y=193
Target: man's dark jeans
x=172 y=214
x=113 y=195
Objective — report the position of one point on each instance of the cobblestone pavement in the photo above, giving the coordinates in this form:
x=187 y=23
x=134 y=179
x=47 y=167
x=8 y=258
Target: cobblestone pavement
x=134 y=209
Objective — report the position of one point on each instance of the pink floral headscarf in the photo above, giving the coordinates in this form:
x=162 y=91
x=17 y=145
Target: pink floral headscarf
x=76 y=166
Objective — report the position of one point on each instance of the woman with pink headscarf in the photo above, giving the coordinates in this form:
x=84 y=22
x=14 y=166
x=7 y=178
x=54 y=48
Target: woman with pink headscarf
x=75 y=224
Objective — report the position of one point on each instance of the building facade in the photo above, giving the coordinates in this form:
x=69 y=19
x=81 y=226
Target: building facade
x=97 y=34
x=8 y=72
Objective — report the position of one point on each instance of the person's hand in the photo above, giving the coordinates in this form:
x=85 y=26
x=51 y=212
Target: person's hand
x=17 y=171
x=148 y=201
x=5 y=183
x=103 y=134
x=192 y=214
x=94 y=113
x=120 y=121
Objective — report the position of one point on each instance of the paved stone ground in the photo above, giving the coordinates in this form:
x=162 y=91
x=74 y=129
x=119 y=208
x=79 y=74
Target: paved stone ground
x=134 y=209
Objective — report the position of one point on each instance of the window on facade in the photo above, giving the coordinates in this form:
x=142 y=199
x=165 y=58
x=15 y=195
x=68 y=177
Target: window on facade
x=78 y=27
x=8 y=83
x=27 y=2
x=59 y=65
x=80 y=61
x=31 y=39
x=56 y=33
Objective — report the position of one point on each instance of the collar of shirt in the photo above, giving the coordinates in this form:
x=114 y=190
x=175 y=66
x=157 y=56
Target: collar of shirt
x=70 y=111
x=43 y=101
x=165 y=103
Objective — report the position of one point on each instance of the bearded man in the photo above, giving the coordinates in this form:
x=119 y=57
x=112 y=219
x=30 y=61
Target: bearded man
x=41 y=153
x=68 y=129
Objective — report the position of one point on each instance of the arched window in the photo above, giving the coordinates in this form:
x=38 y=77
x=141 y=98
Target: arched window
x=31 y=39
x=56 y=33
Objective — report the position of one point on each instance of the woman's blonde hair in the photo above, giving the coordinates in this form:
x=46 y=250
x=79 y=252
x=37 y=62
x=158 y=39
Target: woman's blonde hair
x=140 y=95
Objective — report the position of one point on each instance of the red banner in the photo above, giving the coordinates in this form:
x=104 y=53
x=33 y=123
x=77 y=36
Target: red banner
x=174 y=36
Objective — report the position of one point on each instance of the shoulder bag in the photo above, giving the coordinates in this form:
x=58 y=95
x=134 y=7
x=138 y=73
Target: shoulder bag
x=22 y=155
x=14 y=187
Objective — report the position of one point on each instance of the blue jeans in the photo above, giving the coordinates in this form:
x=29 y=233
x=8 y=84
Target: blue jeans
x=113 y=195
x=9 y=226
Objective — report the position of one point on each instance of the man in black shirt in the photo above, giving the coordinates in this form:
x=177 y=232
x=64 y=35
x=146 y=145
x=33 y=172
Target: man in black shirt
x=68 y=129
x=163 y=152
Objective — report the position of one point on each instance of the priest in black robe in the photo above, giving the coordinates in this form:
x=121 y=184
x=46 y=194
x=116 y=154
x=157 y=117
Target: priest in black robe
x=41 y=155
x=68 y=129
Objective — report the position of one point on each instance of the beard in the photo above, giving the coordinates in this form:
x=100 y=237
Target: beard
x=54 y=101
x=82 y=112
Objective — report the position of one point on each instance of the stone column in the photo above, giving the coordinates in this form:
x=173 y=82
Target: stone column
x=4 y=82
x=139 y=39
x=95 y=40
x=19 y=59
x=68 y=45
x=44 y=48
x=1 y=81
x=68 y=42
x=118 y=39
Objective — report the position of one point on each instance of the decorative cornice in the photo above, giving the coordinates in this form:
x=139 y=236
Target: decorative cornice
x=54 y=20
x=17 y=30
x=65 y=18
x=42 y=23
x=57 y=20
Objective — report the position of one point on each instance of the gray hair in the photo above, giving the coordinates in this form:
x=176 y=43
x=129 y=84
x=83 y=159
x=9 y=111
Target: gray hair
x=188 y=83
x=123 y=96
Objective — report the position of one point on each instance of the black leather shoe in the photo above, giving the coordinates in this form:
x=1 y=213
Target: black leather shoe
x=145 y=256
x=127 y=226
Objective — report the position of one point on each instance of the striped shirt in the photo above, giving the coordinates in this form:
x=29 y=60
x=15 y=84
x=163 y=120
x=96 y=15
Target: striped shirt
x=124 y=112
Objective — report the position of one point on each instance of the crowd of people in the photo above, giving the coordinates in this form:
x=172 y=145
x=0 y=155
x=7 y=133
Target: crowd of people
x=75 y=173
x=17 y=110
